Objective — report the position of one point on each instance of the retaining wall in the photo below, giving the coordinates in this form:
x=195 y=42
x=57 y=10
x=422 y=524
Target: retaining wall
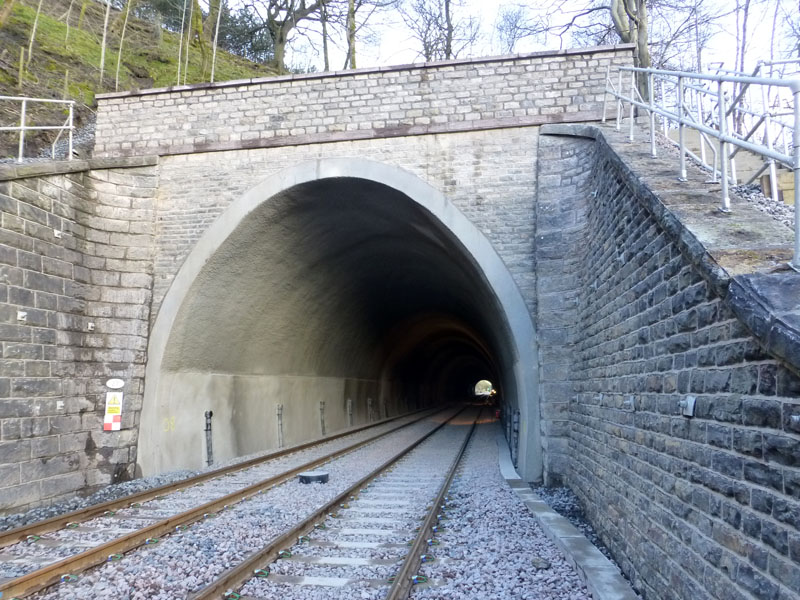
x=691 y=507
x=76 y=245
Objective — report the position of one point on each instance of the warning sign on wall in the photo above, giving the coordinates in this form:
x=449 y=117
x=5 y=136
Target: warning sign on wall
x=113 y=418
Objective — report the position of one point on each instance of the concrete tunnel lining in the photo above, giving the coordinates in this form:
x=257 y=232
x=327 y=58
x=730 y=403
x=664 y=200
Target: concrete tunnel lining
x=316 y=272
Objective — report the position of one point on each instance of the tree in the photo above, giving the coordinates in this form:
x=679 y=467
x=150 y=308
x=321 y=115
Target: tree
x=103 y=43
x=278 y=18
x=354 y=18
x=442 y=36
x=514 y=24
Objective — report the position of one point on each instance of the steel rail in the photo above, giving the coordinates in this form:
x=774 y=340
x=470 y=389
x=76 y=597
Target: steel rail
x=403 y=580
x=51 y=573
x=236 y=577
x=18 y=534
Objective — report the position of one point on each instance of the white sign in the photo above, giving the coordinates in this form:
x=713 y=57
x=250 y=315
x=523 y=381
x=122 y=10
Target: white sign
x=115 y=384
x=113 y=418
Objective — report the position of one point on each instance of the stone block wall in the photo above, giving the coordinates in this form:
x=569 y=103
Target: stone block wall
x=490 y=176
x=564 y=167
x=691 y=507
x=76 y=258
x=399 y=101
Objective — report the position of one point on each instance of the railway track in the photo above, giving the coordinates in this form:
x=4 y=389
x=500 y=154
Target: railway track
x=369 y=541
x=57 y=550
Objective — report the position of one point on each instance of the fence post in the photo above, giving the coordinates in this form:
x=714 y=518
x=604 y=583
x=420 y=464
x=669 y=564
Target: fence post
x=22 y=130
x=619 y=101
x=723 y=148
x=605 y=93
x=633 y=106
x=796 y=168
x=650 y=94
x=71 y=129
x=681 y=132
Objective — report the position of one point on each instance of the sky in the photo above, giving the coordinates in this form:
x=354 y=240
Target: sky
x=394 y=44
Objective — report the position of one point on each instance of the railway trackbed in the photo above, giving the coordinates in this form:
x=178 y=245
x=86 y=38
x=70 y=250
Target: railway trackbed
x=369 y=541
x=57 y=551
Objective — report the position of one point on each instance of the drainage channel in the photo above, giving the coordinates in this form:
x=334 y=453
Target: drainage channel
x=46 y=558
x=369 y=541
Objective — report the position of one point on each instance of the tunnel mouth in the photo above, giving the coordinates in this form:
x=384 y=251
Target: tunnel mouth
x=329 y=279
x=332 y=302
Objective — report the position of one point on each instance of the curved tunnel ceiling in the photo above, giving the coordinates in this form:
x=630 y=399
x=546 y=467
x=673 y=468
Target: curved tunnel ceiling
x=341 y=277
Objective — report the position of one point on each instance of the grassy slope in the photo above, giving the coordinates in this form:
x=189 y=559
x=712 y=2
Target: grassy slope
x=149 y=59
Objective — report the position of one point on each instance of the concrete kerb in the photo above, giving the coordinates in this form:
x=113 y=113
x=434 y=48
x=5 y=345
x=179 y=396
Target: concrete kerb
x=599 y=574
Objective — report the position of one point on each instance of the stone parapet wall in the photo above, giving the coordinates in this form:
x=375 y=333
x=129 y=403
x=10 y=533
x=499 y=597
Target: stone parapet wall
x=431 y=98
x=701 y=507
x=76 y=256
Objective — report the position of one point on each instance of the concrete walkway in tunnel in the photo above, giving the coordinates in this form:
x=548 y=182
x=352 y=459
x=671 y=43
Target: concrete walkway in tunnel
x=337 y=293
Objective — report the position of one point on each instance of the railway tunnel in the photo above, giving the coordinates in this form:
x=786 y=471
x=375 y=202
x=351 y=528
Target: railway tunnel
x=333 y=294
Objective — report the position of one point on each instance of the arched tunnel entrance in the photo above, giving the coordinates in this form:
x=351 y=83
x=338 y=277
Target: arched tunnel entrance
x=338 y=292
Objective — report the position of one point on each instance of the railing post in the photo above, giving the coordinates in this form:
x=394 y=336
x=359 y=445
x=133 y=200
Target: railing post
x=633 y=106
x=71 y=129
x=619 y=101
x=650 y=82
x=681 y=132
x=723 y=148
x=700 y=120
x=796 y=168
x=605 y=94
x=22 y=130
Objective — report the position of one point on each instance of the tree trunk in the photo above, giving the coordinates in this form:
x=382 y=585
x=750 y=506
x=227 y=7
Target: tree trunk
x=122 y=41
x=69 y=14
x=103 y=44
x=280 y=51
x=33 y=32
x=351 y=33
x=216 y=41
x=180 y=43
x=5 y=12
x=325 y=54
x=448 y=39
x=84 y=6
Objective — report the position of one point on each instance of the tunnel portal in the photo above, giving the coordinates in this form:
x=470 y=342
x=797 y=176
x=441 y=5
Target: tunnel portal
x=333 y=302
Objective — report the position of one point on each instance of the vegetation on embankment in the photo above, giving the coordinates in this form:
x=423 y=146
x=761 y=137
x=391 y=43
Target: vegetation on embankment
x=65 y=62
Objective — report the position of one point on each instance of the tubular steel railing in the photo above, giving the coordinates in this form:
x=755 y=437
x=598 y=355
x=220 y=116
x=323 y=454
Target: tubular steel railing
x=720 y=107
x=23 y=126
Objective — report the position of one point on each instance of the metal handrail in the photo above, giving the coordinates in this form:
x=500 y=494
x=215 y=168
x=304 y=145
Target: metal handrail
x=23 y=126
x=717 y=126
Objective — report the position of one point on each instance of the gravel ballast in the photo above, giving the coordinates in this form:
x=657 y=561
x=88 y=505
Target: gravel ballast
x=187 y=561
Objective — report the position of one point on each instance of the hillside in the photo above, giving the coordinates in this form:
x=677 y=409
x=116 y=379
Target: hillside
x=71 y=55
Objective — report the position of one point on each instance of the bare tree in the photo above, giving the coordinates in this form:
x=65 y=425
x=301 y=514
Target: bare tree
x=514 y=24
x=279 y=18
x=441 y=35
